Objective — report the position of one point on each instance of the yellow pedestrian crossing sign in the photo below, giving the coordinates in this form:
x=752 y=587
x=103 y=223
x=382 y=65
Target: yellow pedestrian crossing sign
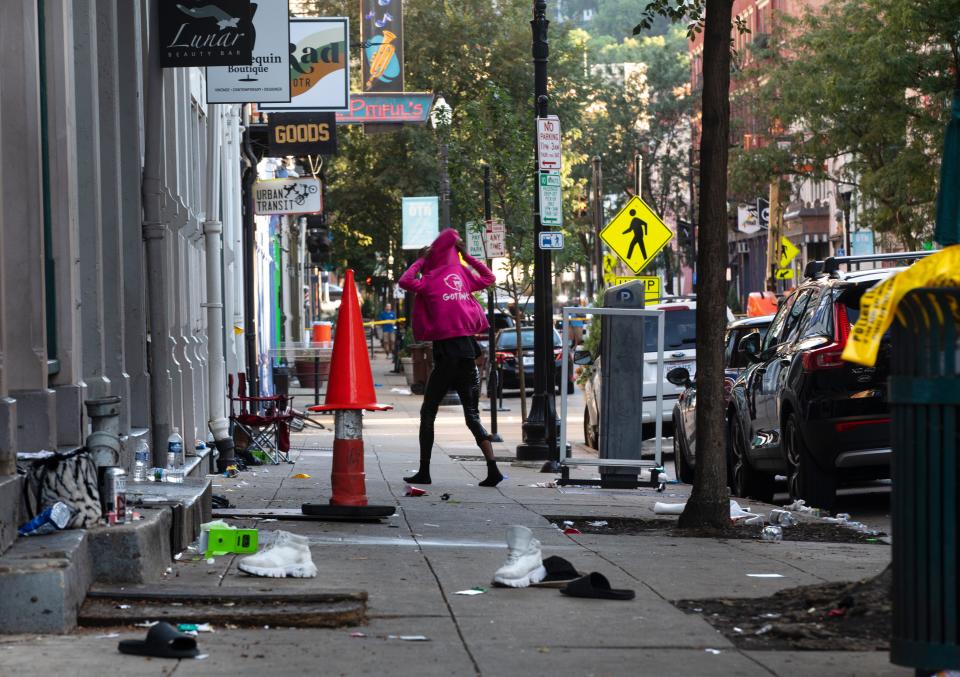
x=636 y=234
x=788 y=252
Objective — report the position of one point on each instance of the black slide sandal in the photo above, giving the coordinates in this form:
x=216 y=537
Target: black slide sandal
x=595 y=586
x=163 y=641
x=559 y=572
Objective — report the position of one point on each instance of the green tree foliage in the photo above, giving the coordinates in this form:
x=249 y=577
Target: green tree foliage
x=857 y=94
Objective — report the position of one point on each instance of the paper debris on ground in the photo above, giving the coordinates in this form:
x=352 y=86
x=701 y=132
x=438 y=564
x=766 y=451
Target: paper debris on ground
x=598 y=523
x=301 y=476
x=765 y=575
x=472 y=591
x=544 y=485
x=401 y=391
x=410 y=638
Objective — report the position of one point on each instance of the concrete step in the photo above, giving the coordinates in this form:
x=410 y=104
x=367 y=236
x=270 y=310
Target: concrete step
x=44 y=579
x=10 y=487
x=267 y=604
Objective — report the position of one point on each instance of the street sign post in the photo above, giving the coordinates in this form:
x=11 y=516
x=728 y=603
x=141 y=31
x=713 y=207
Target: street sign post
x=551 y=240
x=496 y=239
x=636 y=234
x=551 y=199
x=287 y=196
x=475 y=238
x=788 y=252
x=549 y=146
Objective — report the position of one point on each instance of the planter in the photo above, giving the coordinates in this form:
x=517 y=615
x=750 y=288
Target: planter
x=422 y=357
x=308 y=373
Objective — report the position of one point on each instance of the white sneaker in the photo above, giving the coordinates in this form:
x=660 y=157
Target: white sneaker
x=288 y=555
x=524 y=564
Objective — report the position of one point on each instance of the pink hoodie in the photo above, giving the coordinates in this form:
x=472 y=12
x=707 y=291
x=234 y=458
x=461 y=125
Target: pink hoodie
x=445 y=307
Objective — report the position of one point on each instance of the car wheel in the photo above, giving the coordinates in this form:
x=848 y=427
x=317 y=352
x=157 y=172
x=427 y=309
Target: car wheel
x=805 y=479
x=743 y=480
x=684 y=472
x=590 y=436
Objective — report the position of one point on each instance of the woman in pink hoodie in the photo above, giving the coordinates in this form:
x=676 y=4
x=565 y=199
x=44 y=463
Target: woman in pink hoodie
x=446 y=313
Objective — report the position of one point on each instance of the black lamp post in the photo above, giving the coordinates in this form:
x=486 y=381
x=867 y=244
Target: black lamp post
x=844 y=198
x=540 y=428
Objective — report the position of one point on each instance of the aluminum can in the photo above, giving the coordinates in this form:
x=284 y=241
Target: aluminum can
x=113 y=494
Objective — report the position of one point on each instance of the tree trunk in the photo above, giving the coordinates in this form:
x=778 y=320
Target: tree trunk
x=709 y=502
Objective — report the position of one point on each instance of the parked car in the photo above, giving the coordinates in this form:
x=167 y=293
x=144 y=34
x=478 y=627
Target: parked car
x=799 y=410
x=507 y=355
x=680 y=335
x=685 y=410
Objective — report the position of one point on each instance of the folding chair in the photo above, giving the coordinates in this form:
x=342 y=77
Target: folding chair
x=264 y=420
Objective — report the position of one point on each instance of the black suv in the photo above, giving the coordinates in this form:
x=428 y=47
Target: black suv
x=799 y=410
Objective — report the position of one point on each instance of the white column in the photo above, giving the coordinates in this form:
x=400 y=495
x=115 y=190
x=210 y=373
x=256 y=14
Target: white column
x=114 y=320
x=23 y=324
x=62 y=162
x=89 y=211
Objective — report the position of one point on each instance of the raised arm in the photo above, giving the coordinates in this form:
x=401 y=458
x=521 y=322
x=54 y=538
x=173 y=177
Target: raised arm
x=409 y=279
x=483 y=278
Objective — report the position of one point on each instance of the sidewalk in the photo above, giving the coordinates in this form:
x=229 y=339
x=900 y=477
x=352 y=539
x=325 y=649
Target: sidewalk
x=413 y=563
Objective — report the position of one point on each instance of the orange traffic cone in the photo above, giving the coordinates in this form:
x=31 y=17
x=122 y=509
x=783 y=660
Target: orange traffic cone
x=349 y=393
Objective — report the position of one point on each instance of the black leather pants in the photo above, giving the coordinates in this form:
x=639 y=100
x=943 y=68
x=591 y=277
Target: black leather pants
x=463 y=376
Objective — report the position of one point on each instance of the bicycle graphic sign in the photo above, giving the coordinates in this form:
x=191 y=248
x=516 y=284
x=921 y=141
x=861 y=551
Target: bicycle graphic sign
x=287 y=196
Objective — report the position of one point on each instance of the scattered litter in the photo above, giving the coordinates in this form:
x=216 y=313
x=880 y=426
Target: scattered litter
x=598 y=523
x=109 y=635
x=427 y=524
x=773 y=534
x=231 y=471
x=401 y=391
x=301 y=476
x=837 y=613
x=414 y=491
x=668 y=508
x=410 y=638
x=146 y=624
x=552 y=484
x=229 y=604
x=444 y=497
x=201 y=656
x=765 y=575
x=472 y=591
x=570 y=531
x=123 y=606
x=697 y=609
x=244 y=483
x=715 y=652
x=178 y=555
x=211 y=560
x=770 y=615
x=358 y=634
x=764 y=629
x=784 y=518
x=737 y=630
x=567 y=523
x=194 y=628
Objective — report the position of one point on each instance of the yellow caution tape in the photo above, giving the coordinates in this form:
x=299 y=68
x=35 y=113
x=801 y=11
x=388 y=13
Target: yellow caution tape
x=879 y=305
x=399 y=320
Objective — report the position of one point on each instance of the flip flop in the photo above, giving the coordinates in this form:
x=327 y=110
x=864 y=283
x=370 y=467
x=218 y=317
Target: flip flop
x=595 y=586
x=559 y=572
x=163 y=641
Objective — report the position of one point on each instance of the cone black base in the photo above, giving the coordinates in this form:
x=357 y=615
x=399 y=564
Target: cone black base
x=348 y=512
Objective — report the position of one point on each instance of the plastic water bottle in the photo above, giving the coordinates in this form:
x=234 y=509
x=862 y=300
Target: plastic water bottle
x=141 y=462
x=175 y=457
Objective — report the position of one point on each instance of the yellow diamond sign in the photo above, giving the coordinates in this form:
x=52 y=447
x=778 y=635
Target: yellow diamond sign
x=788 y=252
x=636 y=234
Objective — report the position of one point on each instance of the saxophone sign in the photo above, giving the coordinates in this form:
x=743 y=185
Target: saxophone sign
x=381 y=34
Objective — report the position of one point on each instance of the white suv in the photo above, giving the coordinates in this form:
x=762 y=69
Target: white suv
x=679 y=350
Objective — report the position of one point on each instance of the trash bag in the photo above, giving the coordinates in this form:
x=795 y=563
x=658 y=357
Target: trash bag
x=70 y=478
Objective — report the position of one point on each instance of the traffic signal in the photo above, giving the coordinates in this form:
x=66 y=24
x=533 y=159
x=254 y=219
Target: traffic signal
x=318 y=244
